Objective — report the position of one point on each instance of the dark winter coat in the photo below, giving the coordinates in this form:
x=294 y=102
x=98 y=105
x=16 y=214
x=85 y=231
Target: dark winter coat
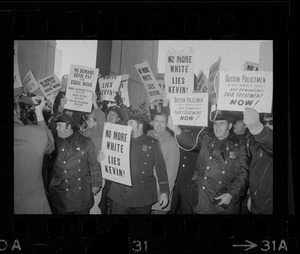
x=75 y=171
x=221 y=165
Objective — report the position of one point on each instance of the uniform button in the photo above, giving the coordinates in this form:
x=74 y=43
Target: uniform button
x=64 y=162
x=67 y=189
x=142 y=181
x=148 y=155
x=66 y=180
x=205 y=177
x=225 y=162
x=79 y=179
x=220 y=182
x=212 y=145
x=63 y=149
x=145 y=163
x=227 y=148
x=223 y=172
x=184 y=157
x=143 y=172
x=203 y=187
x=65 y=171
x=207 y=167
x=210 y=157
x=183 y=165
x=78 y=160
x=149 y=147
x=260 y=155
x=79 y=188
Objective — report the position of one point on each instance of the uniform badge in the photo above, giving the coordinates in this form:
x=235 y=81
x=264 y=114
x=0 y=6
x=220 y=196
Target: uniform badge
x=232 y=155
x=145 y=148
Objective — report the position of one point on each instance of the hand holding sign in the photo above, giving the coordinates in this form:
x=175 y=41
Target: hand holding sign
x=64 y=82
x=100 y=156
x=173 y=127
x=251 y=119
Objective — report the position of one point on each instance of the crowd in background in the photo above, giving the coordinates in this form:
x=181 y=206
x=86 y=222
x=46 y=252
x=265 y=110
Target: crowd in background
x=227 y=168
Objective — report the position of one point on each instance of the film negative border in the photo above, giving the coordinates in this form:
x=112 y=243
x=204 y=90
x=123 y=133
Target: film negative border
x=149 y=234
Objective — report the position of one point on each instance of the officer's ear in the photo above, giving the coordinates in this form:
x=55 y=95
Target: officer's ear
x=151 y=123
x=229 y=126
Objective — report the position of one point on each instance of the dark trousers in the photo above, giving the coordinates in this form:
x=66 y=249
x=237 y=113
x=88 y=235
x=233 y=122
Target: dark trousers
x=59 y=211
x=105 y=203
x=122 y=209
x=180 y=200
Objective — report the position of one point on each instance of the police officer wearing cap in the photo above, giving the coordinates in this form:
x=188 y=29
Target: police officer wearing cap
x=145 y=154
x=76 y=171
x=222 y=168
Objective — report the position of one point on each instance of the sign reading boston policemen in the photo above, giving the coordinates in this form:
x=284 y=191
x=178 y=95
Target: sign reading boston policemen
x=240 y=89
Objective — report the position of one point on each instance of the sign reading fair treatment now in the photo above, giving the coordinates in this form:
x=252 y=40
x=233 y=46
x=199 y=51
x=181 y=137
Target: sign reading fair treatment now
x=115 y=145
x=189 y=109
x=240 y=89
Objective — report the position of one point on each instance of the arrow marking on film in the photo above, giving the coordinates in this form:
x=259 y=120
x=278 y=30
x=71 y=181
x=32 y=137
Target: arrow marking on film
x=250 y=245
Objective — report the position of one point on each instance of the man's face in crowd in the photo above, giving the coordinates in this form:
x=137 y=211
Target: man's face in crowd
x=222 y=128
x=91 y=122
x=112 y=117
x=239 y=127
x=159 y=124
x=135 y=127
x=268 y=122
x=63 y=129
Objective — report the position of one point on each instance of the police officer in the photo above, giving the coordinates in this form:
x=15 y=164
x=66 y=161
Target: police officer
x=76 y=171
x=145 y=153
x=222 y=168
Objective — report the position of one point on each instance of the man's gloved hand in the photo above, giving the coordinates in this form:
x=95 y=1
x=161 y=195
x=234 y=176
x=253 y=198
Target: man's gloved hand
x=251 y=119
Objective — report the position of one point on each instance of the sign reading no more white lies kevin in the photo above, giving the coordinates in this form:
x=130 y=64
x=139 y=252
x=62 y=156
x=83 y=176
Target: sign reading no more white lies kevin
x=116 y=147
x=240 y=89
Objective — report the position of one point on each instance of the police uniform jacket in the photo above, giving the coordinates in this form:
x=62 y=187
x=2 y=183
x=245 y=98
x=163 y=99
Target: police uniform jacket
x=75 y=171
x=145 y=153
x=261 y=172
x=222 y=166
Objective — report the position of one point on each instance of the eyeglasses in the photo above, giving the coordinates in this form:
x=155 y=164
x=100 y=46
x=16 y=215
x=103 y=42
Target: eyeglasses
x=269 y=121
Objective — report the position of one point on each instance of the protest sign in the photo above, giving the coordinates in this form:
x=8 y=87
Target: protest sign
x=249 y=66
x=50 y=87
x=202 y=83
x=179 y=75
x=116 y=147
x=149 y=81
x=143 y=108
x=213 y=82
x=240 y=89
x=29 y=83
x=17 y=79
x=123 y=90
x=108 y=86
x=80 y=87
x=189 y=109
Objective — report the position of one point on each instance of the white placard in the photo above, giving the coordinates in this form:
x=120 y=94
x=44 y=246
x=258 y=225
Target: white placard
x=124 y=90
x=240 y=89
x=50 y=87
x=149 y=81
x=29 y=83
x=179 y=74
x=116 y=147
x=108 y=87
x=80 y=87
x=189 y=109
x=213 y=82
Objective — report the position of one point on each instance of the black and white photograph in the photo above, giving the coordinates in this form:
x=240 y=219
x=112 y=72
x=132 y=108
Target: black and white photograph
x=166 y=127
